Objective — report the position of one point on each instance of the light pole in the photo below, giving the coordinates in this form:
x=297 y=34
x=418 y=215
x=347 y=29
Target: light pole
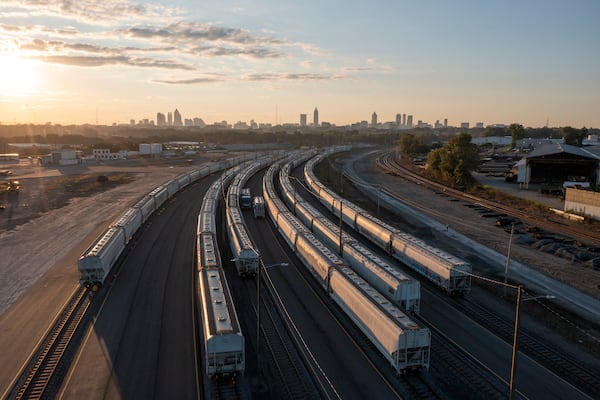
x=515 y=350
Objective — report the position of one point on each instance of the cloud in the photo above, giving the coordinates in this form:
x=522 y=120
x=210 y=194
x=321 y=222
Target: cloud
x=138 y=35
x=95 y=61
x=104 y=12
x=194 y=31
x=254 y=52
x=286 y=76
x=188 y=81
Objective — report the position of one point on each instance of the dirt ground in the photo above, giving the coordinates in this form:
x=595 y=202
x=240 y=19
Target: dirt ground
x=40 y=195
x=58 y=209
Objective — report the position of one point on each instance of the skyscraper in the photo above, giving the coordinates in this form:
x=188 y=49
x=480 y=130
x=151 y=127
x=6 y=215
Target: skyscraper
x=302 y=119
x=316 y=118
x=177 y=118
x=403 y=119
x=445 y=122
x=374 y=119
x=409 y=121
x=398 y=120
x=160 y=119
x=170 y=118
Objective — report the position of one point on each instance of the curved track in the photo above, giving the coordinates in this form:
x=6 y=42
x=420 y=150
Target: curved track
x=389 y=164
x=534 y=346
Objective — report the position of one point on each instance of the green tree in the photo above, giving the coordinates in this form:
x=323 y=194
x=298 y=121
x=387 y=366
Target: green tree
x=573 y=136
x=455 y=161
x=516 y=132
x=407 y=145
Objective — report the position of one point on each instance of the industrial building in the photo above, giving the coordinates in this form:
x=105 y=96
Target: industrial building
x=561 y=164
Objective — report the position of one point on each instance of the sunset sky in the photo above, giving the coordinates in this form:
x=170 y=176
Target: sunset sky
x=83 y=61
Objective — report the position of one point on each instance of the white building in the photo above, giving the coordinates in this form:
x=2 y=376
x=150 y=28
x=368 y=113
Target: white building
x=105 y=154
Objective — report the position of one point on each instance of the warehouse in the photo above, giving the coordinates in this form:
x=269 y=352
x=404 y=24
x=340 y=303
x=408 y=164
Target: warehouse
x=561 y=164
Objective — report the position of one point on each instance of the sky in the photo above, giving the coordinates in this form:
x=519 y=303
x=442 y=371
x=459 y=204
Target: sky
x=534 y=62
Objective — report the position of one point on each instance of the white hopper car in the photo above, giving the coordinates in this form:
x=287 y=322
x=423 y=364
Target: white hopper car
x=224 y=347
x=398 y=287
x=446 y=271
x=98 y=260
x=246 y=256
x=400 y=340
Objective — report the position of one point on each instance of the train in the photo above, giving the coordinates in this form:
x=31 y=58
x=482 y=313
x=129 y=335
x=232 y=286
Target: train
x=223 y=340
x=97 y=261
x=401 y=341
x=448 y=272
x=396 y=286
x=245 y=254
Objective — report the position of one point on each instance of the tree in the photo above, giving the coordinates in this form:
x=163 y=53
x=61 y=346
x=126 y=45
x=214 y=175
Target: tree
x=516 y=132
x=573 y=136
x=411 y=145
x=407 y=145
x=455 y=161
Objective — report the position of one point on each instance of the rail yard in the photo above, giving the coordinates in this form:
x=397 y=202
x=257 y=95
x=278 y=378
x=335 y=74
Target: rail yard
x=190 y=294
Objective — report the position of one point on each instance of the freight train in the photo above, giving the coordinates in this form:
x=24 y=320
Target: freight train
x=98 y=259
x=403 y=343
x=448 y=272
x=398 y=287
x=224 y=348
x=245 y=254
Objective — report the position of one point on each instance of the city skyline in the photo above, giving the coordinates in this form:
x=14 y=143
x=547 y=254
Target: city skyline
x=269 y=61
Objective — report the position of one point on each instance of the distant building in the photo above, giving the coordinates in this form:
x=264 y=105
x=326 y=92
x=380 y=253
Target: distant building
x=199 y=122
x=464 y=125
x=105 y=154
x=374 y=119
x=177 y=118
x=302 y=120
x=409 y=121
x=403 y=119
x=150 y=148
x=316 y=118
x=240 y=125
x=479 y=125
x=170 y=118
x=445 y=122
x=161 y=120
x=132 y=122
x=398 y=120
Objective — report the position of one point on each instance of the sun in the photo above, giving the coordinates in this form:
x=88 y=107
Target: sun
x=19 y=76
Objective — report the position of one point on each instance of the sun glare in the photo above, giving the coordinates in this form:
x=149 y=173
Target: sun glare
x=18 y=76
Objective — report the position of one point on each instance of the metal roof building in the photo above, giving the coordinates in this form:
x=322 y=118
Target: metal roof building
x=558 y=163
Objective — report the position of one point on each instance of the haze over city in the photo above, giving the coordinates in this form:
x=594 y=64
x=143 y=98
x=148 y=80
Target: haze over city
x=534 y=62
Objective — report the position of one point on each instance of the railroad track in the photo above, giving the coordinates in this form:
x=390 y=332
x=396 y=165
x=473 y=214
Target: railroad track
x=571 y=370
x=389 y=163
x=226 y=389
x=295 y=381
x=45 y=370
x=473 y=374
x=586 y=379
